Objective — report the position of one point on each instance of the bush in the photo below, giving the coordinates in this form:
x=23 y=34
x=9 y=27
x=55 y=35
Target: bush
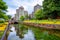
x=39 y=14
x=1 y=21
x=22 y=18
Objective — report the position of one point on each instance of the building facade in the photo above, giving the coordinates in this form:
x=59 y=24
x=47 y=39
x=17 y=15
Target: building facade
x=20 y=12
x=37 y=7
x=25 y=12
x=26 y=15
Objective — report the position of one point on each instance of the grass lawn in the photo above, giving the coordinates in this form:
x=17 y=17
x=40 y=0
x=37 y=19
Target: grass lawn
x=44 y=21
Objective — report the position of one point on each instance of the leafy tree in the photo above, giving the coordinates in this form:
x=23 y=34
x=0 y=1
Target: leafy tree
x=51 y=8
x=9 y=16
x=3 y=8
x=2 y=14
x=26 y=16
x=39 y=14
x=22 y=18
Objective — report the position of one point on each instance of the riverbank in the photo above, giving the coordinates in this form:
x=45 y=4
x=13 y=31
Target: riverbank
x=38 y=33
x=56 y=21
x=3 y=27
x=43 y=23
x=45 y=34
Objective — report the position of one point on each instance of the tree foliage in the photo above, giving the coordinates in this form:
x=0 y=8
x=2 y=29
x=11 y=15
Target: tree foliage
x=3 y=8
x=9 y=16
x=22 y=18
x=39 y=14
x=51 y=8
x=26 y=17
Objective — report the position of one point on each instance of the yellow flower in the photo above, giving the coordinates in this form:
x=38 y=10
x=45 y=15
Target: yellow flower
x=3 y=26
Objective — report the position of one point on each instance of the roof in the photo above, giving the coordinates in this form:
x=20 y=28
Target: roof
x=21 y=7
x=38 y=5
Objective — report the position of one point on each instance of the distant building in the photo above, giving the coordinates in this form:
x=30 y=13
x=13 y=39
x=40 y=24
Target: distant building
x=26 y=14
x=17 y=14
x=30 y=16
x=37 y=7
x=20 y=12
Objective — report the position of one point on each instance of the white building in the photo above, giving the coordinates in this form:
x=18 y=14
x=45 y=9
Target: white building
x=17 y=14
x=25 y=13
x=37 y=7
x=20 y=12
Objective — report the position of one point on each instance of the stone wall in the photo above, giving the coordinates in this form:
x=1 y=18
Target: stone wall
x=48 y=26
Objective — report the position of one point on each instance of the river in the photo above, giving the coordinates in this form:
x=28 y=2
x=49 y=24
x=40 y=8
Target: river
x=23 y=32
x=12 y=35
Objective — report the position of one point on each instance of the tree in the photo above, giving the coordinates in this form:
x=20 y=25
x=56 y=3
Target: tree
x=22 y=18
x=51 y=8
x=3 y=8
x=9 y=16
x=6 y=17
x=39 y=14
x=26 y=17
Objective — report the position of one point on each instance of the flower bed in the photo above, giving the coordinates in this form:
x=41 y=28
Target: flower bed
x=2 y=28
x=43 y=21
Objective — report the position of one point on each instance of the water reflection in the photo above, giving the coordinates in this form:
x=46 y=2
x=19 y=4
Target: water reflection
x=19 y=32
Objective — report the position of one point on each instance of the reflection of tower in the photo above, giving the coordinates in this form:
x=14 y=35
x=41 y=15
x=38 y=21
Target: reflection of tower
x=17 y=28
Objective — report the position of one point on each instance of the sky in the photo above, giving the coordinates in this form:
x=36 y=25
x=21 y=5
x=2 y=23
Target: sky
x=27 y=4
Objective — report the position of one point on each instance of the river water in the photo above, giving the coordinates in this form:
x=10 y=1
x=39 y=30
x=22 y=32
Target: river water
x=23 y=32
x=27 y=36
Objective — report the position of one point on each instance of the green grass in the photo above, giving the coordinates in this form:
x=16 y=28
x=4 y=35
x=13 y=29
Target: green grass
x=1 y=34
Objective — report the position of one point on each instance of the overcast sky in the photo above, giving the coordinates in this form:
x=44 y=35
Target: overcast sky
x=27 y=4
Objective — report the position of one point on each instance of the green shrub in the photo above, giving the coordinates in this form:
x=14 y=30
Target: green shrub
x=22 y=18
x=1 y=21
